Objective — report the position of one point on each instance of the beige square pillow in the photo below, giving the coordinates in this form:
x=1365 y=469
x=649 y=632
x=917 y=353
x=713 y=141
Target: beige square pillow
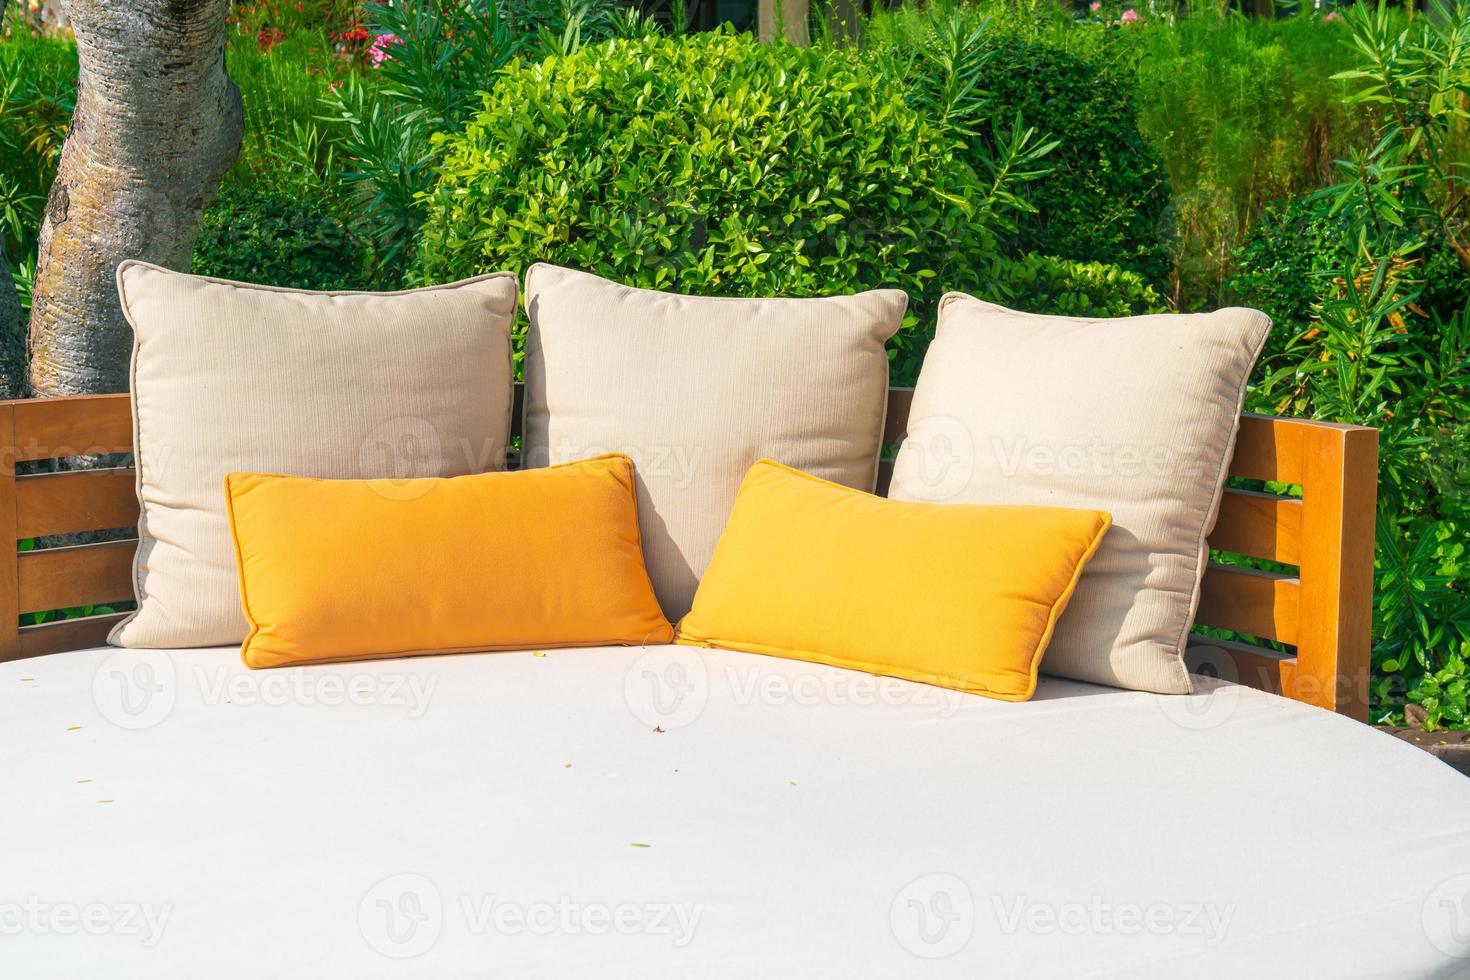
x=696 y=389
x=232 y=377
x=1135 y=416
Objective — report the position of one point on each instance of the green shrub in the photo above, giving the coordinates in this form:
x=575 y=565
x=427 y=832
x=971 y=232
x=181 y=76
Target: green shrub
x=428 y=81
x=1284 y=266
x=710 y=164
x=1104 y=195
x=1047 y=284
x=1244 y=111
x=1246 y=114
x=282 y=84
x=1107 y=195
x=279 y=239
x=1445 y=280
x=548 y=24
x=38 y=78
x=1280 y=267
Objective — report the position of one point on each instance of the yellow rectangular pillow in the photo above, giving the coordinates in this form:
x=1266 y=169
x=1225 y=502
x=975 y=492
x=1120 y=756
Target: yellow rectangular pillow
x=363 y=569
x=963 y=596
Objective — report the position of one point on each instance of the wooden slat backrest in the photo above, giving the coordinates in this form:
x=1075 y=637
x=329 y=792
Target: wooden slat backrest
x=1323 y=610
x=38 y=504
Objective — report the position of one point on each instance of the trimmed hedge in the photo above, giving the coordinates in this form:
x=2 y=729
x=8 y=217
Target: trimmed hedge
x=1047 y=284
x=1107 y=196
x=709 y=164
x=279 y=239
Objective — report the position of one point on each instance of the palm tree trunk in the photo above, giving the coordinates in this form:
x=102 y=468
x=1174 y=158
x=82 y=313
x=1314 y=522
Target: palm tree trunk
x=157 y=125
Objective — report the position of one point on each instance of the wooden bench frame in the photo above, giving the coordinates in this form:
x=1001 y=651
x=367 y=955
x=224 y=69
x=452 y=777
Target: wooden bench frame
x=1323 y=612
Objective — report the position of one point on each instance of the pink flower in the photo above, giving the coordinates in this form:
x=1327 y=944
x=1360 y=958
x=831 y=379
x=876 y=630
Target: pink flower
x=1334 y=15
x=1129 y=16
x=1095 y=6
x=378 y=51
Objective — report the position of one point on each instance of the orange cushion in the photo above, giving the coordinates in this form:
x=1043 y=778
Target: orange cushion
x=362 y=569
x=963 y=596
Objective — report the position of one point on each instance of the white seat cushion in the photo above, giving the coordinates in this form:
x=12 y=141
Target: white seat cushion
x=484 y=815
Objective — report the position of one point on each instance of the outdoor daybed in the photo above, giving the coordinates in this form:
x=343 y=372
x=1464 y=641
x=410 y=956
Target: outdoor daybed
x=676 y=811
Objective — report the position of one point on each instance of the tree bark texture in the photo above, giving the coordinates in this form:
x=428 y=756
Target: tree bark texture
x=157 y=124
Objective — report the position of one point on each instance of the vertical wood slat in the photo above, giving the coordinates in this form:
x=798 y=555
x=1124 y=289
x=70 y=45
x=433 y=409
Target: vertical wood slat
x=9 y=569
x=1339 y=496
